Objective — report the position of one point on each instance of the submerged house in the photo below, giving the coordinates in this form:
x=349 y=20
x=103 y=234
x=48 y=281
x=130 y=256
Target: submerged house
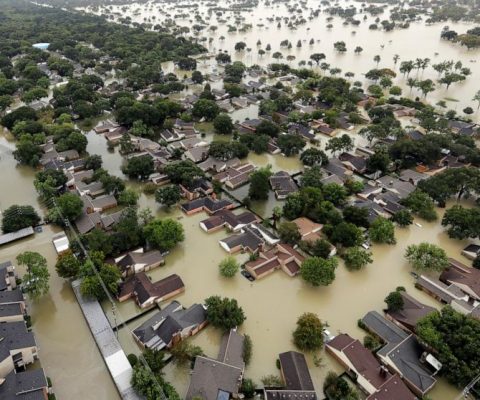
x=282 y=184
x=229 y=220
x=296 y=377
x=251 y=238
x=170 y=325
x=139 y=261
x=282 y=256
x=403 y=354
x=220 y=378
x=372 y=377
x=146 y=292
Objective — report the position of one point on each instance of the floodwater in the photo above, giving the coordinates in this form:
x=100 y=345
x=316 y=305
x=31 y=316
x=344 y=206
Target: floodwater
x=67 y=350
x=273 y=304
x=420 y=40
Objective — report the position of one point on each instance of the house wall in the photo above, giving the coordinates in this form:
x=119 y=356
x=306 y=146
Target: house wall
x=366 y=386
x=12 y=318
x=6 y=366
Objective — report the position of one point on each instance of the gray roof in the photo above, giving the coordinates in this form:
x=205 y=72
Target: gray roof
x=10 y=310
x=26 y=385
x=402 y=349
x=13 y=336
x=295 y=371
x=211 y=380
x=231 y=349
x=406 y=357
x=159 y=329
x=390 y=333
x=11 y=296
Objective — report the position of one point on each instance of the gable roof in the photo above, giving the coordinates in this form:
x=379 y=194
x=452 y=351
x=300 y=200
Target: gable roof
x=295 y=371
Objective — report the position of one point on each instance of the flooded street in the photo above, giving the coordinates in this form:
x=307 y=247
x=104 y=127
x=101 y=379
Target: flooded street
x=273 y=304
x=419 y=40
x=67 y=350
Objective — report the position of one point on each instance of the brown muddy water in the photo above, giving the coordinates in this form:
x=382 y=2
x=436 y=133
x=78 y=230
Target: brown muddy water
x=273 y=304
x=420 y=40
x=66 y=348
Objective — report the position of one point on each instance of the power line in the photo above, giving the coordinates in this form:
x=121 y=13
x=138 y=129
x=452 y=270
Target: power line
x=115 y=311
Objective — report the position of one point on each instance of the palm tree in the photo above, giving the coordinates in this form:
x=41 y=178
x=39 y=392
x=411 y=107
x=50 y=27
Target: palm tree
x=377 y=59
x=477 y=98
x=396 y=57
x=411 y=82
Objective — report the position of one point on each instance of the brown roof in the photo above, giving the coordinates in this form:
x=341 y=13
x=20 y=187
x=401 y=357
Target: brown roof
x=143 y=288
x=412 y=311
x=362 y=359
x=460 y=274
x=393 y=389
x=295 y=371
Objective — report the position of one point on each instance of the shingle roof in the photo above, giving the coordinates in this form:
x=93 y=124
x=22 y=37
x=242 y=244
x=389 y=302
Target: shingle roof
x=295 y=371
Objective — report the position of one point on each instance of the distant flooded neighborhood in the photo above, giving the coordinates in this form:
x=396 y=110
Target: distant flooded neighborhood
x=239 y=199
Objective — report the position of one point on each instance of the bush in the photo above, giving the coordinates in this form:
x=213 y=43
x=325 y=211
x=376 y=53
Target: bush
x=229 y=267
x=132 y=359
x=247 y=349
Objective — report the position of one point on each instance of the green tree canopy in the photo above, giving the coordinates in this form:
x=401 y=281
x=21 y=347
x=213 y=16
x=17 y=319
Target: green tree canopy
x=164 y=234
x=18 y=217
x=319 y=271
x=308 y=335
x=224 y=313
x=427 y=257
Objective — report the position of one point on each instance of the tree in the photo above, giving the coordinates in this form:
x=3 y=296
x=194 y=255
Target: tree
x=477 y=98
x=308 y=335
x=427 y=257
x=259 y=184
x=93 y=161
x=403 y=218
x=317 y=57
x=247 y=349
x=462 y=222
x=377 y=59
x=139 y=167
x=421 y=204
x=334 y=193
x=312 y=177
x=357 y=258
x=126 y=144
x=313 y=157
x=290 y=144
x=337 y=388
x=394 y=301
x=185 y=352
x=35 y=281
x=340 y=47
x=318 y=271
x=168 y=195
x=164 y=234
x=248 y=388
x=18 y=217
x=229 y=267
x=356 y=215
x=379 y=161
x=267 y=128
x=289 y=233
x=319 y=248
x=70 y=206
x=341 y=143
x=224 y=313
x=67 y=266
x=183 y=172
x=346 y=234
x=223 y=124
x=240 y=46
x=128 y=198
x=205 y=108
x=91 y=286
x=197 y=77
x=145 y=383
x=155 y=360
x=455 y=338
x=382 y=230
